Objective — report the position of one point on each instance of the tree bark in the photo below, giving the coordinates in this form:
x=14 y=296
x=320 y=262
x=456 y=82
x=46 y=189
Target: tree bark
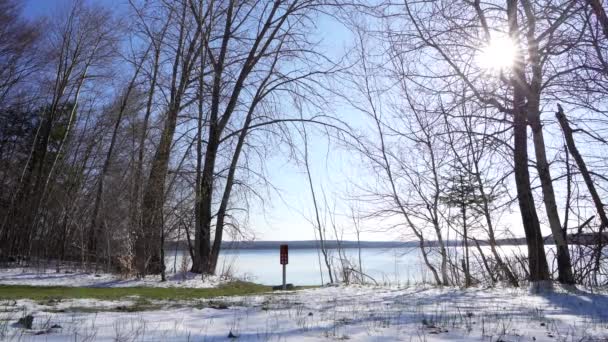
x=147 y=250
x=467 y=274
x=149 y=240
x=136 y=233
x=197 y=266
x=206 y=196
x=533 y=93
x=217 y=122
x=599 y=206
x=537 y=260
x=536 y=252
x=203 y=229
x=564 y=265
x=600 y=14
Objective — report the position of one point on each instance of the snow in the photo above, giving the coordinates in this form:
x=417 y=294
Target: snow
x=358 y=313
x=73 y=277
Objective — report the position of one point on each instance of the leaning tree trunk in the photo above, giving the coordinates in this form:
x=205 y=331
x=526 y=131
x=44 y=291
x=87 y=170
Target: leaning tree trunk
x=148 y=240
x=443 y=252
x=491 y=237
x=135 y=218
x=600 y=14
x=395 y=194
x=221 y=214
x=96 y=221
x=564 y=265
x=599 y=206
x=204 y=36
x=316 y=207
x=434 y=213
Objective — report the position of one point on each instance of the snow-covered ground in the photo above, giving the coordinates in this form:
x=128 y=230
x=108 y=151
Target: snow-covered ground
x=359 y=313
x=75 y=277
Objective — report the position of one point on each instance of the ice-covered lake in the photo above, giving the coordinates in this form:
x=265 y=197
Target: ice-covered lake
x=385 y=265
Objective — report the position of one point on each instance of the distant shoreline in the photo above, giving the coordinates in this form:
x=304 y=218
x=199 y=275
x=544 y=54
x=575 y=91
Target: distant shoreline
x=583 y=239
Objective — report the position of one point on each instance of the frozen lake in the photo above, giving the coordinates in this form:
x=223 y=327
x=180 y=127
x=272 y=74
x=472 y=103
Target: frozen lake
x=385 y=265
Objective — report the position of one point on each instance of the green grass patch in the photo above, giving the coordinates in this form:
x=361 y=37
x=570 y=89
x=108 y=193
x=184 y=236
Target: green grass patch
x=51 y=293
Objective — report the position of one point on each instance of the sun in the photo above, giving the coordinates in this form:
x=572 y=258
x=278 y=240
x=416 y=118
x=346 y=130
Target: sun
x=498 y=54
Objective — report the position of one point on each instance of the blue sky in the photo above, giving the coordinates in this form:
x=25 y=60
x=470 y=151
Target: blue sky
x=35 y=8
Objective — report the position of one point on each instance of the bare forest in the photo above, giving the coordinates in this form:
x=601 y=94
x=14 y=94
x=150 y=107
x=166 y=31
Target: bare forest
x=125 y=131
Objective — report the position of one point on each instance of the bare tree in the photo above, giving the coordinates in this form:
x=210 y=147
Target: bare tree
x=320 y=229
x=246 y=60
x=521 y=101
x=18 y=40
x=78 y=48
x=588 y=181
x=184 y=56
x=95 y=232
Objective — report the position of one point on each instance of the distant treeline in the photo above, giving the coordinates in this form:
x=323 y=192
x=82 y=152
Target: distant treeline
x=579 y=239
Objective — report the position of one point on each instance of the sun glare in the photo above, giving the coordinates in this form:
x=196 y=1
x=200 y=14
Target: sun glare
x=498 y=54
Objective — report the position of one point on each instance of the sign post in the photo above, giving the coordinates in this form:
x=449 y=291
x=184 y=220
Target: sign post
x=284 y=261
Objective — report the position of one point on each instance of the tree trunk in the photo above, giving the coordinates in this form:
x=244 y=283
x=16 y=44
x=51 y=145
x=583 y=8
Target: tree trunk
x=203 y=253
x=136 y=205
x=203 y=230
x=204 y=36
x=316 y=207
x=95 y=229
x=491 y=237
x=537 y=260
x=434 y=213
x=221 y=214
x=533 y=93
x=600 y=14
x=147 y=244
x=536 y=250
x=486 y=265
x=196 y=262
x=467 y=274
x=564 y=265
x=599 y=206
x=444 y=257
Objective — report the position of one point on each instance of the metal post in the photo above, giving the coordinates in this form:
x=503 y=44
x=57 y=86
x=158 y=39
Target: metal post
x=284 y=277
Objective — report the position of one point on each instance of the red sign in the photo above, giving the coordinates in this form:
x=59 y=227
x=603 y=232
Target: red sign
x=284 y=253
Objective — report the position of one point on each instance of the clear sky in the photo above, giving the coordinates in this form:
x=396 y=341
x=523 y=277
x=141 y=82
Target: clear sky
x=43 y=7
